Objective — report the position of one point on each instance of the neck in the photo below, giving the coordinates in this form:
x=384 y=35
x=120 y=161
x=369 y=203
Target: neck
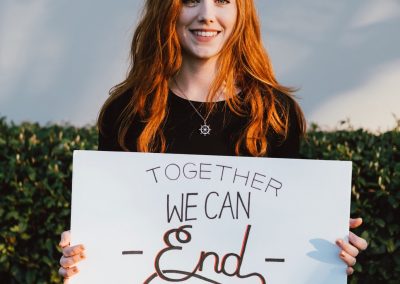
x=194 y=79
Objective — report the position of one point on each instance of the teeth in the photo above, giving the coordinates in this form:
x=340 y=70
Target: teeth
x=205 y=34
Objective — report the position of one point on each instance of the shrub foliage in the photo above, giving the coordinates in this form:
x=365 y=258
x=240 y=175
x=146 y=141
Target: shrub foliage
x=35 y=194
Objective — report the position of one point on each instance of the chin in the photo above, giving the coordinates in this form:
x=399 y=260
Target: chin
x=207 y=57
x=204 y=55
x=200 y=53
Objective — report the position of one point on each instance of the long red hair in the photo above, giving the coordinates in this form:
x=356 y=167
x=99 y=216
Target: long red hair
x=243 y=63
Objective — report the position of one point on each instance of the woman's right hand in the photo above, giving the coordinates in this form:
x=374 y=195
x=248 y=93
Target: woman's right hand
x=71 y=256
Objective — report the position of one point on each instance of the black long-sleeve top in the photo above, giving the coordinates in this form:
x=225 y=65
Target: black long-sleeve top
x=181 y=129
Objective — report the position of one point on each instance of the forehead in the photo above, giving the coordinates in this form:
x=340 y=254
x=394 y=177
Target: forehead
x=218 y=2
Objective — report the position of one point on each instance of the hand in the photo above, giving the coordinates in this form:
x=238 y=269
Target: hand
x=71 y=256
x=349 y=251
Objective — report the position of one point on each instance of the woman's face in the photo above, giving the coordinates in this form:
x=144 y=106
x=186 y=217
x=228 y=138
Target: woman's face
x=204 y=26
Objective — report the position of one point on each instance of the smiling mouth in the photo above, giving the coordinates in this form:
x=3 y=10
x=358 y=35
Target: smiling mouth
x=204 y=33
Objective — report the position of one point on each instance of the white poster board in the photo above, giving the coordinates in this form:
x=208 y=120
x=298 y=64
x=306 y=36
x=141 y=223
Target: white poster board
x=161 y=218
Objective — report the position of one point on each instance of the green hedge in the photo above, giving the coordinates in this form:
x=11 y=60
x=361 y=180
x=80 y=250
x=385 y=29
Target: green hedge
x=35 y=184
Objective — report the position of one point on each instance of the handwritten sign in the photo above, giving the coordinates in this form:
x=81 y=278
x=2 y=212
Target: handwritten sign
x=163 y=218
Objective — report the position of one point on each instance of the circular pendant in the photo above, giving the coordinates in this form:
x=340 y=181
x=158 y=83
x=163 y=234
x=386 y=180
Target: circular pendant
x=205 y=129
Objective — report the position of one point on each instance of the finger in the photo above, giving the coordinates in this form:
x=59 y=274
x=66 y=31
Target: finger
x=73 y=250
x=350 y=249
x=354 y=223
x=347 y=258
x=68 y=272
x=65 y=239
x=349 y=271
x=67 y=262
x=358 y=242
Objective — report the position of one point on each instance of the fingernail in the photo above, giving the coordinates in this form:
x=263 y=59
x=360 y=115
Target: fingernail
x=75 y=269
x=342 y=254
x=339 y=242
x=82 y=247
x=82 y=256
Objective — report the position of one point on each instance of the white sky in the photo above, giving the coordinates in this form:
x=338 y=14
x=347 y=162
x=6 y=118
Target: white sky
x=58 y=59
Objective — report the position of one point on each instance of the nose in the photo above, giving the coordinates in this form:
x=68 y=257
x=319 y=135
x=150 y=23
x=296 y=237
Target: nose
x=206 y=12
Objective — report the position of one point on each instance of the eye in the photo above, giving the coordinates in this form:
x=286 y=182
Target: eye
x=221 y=2
x=190 y=3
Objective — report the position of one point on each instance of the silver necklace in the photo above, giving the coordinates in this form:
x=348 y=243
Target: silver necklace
x=204 y=128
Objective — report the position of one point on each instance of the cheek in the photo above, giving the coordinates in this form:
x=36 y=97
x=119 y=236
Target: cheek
x=229 y=20
x=180 y=30
x=183 y=22
x=185 y=18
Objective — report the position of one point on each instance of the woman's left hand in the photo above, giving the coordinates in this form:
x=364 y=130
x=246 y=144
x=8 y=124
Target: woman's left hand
x=350 y=250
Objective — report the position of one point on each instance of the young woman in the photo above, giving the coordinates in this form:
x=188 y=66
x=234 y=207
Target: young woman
x=201 y=82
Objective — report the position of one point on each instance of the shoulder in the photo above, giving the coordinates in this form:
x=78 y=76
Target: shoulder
x=287 y=145
x=113 y=107
x=285 y=103
x=110 y=119
x=286 y=107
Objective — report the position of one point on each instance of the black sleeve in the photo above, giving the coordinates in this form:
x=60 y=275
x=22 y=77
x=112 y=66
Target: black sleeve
x=290 y=147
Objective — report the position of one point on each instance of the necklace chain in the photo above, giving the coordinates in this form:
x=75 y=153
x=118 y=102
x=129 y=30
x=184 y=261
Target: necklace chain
x=204 y=128
x=202 y=117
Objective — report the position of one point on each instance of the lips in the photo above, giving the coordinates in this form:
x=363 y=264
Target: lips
x=205 y=33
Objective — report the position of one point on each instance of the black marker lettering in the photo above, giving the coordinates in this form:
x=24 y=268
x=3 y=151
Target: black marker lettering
x=256 y=180
x=193 y=172
x=178 y=174
x=227 y=204
x=154 y=173
x=223 y=170
x=187 y=206
x=206 y=205
x=246 y=209
x=170 y=215
x=275 y=184
x=237 y=175
x=202 y=170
